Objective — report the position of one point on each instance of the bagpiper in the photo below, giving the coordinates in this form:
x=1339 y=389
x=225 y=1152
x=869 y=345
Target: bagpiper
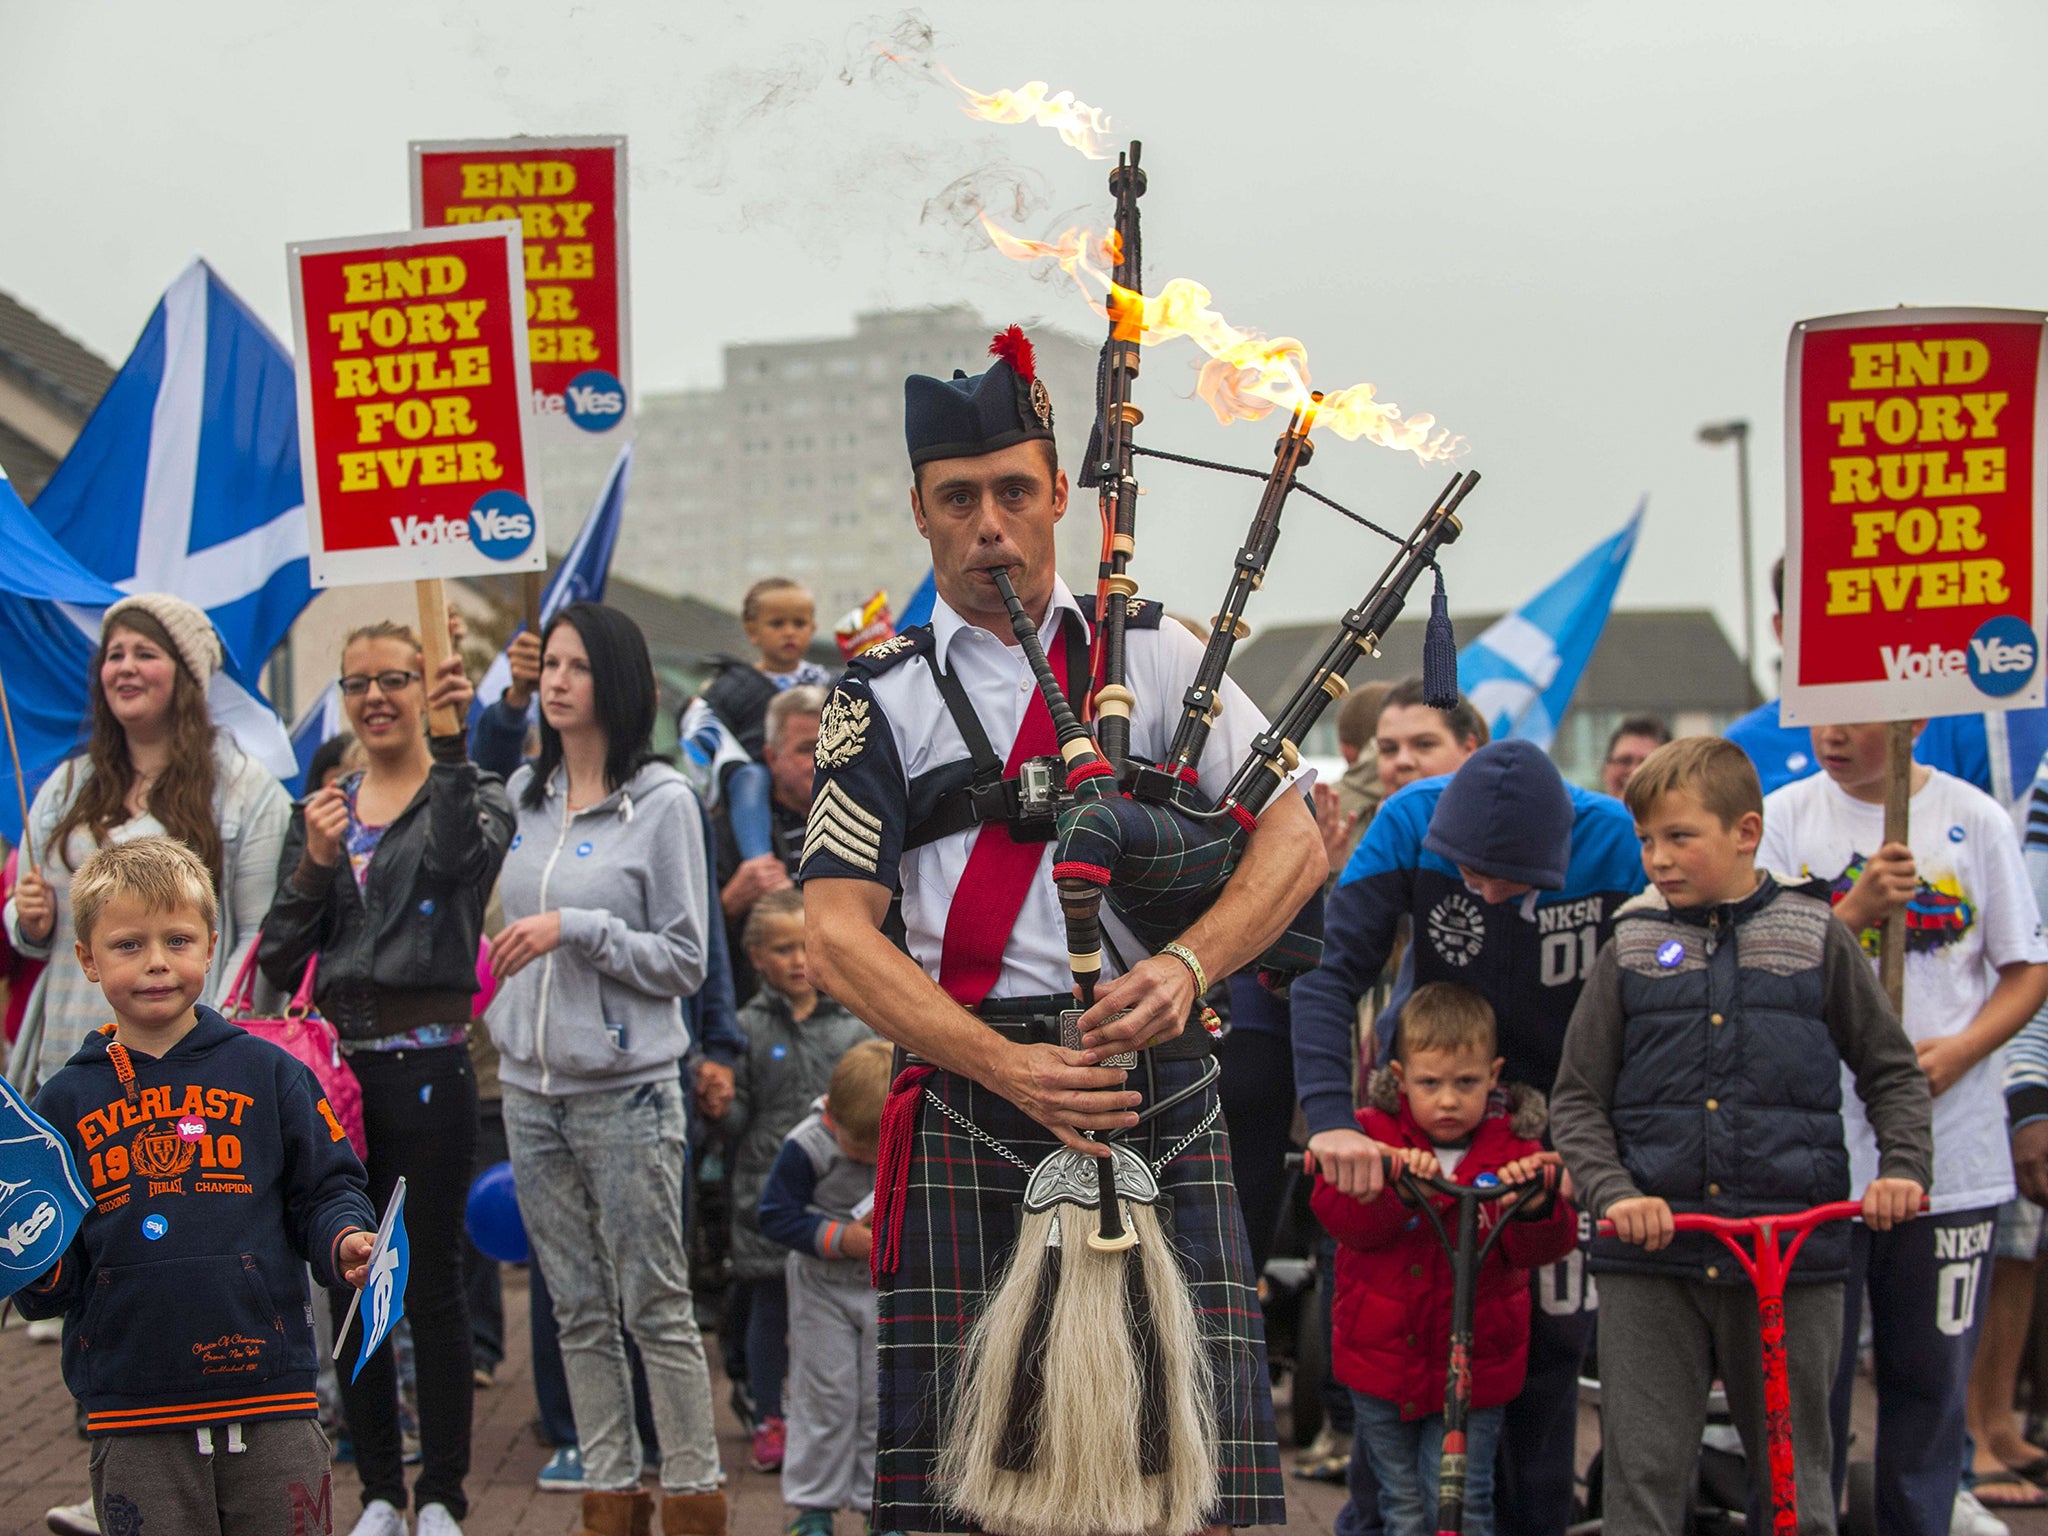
x=938 y=772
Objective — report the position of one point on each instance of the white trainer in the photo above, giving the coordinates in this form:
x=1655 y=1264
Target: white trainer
x=1968 y=1517
x=434 y=1520
x=73 y=1520
x=379 y=1519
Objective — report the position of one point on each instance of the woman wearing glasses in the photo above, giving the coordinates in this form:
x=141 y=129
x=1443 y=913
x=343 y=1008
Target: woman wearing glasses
x=383 y=881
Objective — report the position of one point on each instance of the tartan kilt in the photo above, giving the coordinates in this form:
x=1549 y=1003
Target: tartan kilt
x=960 y=1220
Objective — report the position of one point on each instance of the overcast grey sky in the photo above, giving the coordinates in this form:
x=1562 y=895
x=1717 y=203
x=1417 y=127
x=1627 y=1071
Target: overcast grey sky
x=1573 y=232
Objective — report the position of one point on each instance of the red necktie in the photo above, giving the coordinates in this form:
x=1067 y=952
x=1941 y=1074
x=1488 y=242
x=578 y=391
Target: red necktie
x=999 y=871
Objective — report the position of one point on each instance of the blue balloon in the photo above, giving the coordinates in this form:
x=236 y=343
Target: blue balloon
x=495 y=1225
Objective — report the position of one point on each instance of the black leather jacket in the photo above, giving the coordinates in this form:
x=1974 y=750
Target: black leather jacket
x=400 y=951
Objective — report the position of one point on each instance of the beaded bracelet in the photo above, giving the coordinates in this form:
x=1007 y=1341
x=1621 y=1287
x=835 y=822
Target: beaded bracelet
x=1187 y=958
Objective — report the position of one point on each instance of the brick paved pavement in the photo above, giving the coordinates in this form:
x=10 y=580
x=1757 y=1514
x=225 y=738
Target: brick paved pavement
x=42 y=1462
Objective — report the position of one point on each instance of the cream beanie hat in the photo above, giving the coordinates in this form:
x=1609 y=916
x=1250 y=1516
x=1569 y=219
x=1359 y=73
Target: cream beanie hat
x=191 y=631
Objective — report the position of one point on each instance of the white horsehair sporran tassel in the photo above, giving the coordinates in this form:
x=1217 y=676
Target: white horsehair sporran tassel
x=1085 y=1402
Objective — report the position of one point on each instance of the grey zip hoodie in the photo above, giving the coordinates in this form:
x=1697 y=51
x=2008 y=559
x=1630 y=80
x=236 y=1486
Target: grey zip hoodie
x=604 y=1008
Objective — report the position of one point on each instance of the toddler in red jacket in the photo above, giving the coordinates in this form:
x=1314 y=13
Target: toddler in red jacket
x=1438 y=1108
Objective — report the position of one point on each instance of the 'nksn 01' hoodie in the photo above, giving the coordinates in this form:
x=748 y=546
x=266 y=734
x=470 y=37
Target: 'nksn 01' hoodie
x=1506 y=813
x=218 y=1173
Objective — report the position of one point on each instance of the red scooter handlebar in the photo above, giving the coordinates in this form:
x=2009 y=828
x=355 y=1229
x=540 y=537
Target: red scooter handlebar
x=1747 y=1226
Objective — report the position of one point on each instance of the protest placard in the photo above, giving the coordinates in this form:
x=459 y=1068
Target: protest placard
x=1915 y=507
x=1915 y=499
x=413 y=406
x=569 y=197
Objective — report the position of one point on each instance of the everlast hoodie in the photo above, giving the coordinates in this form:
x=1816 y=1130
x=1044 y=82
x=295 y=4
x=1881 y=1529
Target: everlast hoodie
x=219 y=1172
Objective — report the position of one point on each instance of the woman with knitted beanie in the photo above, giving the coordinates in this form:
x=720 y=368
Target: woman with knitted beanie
x=154 y=765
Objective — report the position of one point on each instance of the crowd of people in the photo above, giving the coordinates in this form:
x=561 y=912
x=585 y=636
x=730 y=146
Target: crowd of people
x=539 y=942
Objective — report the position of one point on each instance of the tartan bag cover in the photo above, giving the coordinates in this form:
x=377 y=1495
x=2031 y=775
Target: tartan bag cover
x=961 y=1209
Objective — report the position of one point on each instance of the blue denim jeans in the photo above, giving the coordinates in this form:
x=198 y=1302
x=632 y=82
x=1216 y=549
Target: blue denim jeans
x=600 y=1179
x=1405 y=1456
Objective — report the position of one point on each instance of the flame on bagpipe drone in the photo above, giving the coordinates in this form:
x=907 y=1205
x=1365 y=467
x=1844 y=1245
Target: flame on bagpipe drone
x=1087 y=1401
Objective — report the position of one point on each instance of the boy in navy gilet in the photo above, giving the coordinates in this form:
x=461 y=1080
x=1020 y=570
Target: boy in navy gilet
x=1702 y=1071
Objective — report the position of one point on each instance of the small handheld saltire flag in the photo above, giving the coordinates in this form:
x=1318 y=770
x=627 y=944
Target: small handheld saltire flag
x=580 y=578
x=42 y=1199
x=382 y=1298
x=1520 y=674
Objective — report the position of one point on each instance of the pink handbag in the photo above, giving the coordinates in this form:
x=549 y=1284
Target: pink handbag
x=305 y=1036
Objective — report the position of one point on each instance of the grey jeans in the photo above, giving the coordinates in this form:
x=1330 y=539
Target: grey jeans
x=830 y=1460
x=267 y=1478
x=600 y=1179
x=1662 y=1344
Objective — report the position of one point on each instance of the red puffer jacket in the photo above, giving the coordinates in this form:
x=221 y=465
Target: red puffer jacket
x=1391 y=1334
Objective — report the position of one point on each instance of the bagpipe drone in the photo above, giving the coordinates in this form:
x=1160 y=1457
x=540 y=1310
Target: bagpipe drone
x=1086 y=1402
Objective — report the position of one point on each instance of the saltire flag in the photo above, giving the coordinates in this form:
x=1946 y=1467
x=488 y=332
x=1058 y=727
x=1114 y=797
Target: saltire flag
x=186 y=480
x=580 y=578
x=42 y=1199
x=1520 y=674
x=46 y=601
x=382 y=1298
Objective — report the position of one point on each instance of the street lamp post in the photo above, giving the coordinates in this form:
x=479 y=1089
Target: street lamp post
x=1715 y=433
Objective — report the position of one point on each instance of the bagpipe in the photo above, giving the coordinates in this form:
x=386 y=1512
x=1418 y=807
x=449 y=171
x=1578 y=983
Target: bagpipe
x=1062 y=1427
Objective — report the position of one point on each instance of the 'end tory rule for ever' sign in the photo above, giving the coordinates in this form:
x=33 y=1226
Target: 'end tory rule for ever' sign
x=1916 y=515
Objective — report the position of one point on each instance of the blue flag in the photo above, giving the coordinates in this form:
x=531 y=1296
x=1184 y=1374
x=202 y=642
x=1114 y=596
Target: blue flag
x=323 y=719
x=186 y=478
x=42 y=1200
x=1521 y=673
x=47 y=604
x=580 y=578
x=919 y=609
x=382 y=1298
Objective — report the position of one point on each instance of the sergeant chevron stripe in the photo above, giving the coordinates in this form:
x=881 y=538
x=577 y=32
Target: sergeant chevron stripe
x=840 y=827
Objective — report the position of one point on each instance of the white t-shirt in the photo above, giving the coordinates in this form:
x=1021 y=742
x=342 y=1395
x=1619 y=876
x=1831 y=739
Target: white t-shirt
x=1973 y=912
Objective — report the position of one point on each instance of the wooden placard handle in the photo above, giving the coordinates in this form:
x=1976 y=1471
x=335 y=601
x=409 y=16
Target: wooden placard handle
x=433 y=601
x=1898 y=799
x=529 y=600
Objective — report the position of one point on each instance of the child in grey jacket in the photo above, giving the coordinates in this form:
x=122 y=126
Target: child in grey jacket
x=817 y=1204
x=795 y=1037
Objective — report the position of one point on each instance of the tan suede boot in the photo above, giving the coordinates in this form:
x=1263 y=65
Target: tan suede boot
x=693 y=1514
x=618 y=1514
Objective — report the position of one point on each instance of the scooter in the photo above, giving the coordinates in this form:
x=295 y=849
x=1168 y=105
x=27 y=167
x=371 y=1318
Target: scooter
x=1768 y=1265
x=1467 y=1250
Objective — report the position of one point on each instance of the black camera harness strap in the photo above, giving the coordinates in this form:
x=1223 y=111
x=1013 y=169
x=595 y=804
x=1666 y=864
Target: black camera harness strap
x=986 y=795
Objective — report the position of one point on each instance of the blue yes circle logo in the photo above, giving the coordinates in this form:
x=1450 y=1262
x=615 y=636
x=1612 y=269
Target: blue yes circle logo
x=595 y=400
x=31 y=1232
x=1670 y=952
x=2003 y=655
x=501 y=524
x=154 y=1227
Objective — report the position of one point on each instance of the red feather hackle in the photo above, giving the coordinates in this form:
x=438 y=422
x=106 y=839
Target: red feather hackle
x=1014 y=348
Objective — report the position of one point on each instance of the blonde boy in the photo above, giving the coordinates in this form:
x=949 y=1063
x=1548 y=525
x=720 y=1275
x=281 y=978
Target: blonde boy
x=219 y=1173
x=1702 y=1071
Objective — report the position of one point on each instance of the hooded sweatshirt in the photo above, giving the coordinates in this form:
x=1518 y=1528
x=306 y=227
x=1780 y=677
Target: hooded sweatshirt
x=603 y=1009
x=219 y=1173
x=1516 y=819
